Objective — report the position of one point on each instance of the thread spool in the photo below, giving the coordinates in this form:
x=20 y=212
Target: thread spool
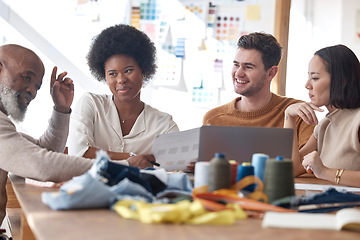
x=259 y=163
x=220 y=173
x=244 y=170
x=201 y=176
x=234 y=168
x=279 y=178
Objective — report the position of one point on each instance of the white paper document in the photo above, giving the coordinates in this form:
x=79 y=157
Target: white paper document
x=321 y=187
x=175 y=151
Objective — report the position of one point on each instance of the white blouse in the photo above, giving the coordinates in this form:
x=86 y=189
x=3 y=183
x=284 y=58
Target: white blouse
x=95 y=123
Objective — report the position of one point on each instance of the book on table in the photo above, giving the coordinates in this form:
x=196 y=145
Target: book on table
x=347 y=218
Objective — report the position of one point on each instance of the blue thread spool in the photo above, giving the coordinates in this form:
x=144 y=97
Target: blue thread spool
x=244 y=170
x=259 y=163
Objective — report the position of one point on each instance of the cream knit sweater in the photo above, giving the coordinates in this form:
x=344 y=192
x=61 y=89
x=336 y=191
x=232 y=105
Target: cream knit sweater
x=40 y=159
x=338 y=139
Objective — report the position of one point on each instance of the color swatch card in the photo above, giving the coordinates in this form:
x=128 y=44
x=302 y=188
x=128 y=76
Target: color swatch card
x=169 y=70
x=228 y=23
x=219 y=74
x=227 y=27
x=180 y=48
x=196 y=7
x=205 y=97
x=211 y=17
x=150 y=10
x=195 y=18
x=135 y=17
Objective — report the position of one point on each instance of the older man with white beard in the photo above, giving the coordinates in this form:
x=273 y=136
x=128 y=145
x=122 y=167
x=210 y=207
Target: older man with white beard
x=21 y=74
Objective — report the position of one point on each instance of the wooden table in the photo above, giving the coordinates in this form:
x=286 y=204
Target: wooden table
x=104 y=224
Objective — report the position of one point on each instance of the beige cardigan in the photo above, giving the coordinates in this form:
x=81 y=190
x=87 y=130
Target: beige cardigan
x=338 y=139
x=39 y=159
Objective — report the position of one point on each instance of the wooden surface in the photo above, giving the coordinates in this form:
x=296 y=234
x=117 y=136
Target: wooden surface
x=105 y=224
x=12 y=201
x=13 y=211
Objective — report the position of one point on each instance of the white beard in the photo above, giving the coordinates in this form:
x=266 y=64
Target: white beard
x=9 y=100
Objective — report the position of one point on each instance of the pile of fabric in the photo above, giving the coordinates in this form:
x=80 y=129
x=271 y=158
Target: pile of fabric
x=149 y=195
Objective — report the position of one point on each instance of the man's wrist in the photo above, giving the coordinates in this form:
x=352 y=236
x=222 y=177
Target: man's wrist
x=65 y=110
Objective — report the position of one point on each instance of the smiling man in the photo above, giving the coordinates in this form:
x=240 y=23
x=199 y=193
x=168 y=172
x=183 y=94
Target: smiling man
x=21 y=74
x=255 y=65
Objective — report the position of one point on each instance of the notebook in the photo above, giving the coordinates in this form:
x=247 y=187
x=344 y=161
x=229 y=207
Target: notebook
x=240 y=143
x=175 y=151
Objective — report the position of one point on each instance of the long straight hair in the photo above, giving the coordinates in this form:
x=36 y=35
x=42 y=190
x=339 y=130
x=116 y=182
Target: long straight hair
x=344 y=69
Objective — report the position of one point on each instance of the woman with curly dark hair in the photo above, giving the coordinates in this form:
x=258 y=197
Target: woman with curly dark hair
x=120 y=123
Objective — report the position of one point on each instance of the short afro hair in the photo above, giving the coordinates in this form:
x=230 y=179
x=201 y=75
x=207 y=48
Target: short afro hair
x=122 y=39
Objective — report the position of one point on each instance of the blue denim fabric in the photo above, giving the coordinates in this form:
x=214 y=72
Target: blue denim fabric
x=127 y=187
x=80 y=193
x=112 y=173
x=107 y=182
x=160 y=173
x=178 y=184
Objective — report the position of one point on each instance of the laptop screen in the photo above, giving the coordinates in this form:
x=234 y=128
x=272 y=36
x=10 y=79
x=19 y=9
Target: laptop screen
x=240 y=143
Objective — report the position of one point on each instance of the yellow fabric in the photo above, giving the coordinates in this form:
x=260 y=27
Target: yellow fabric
x=258 y=193
x=185 y=212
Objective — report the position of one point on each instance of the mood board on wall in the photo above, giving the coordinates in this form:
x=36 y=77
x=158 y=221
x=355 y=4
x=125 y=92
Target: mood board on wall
x=194 y=39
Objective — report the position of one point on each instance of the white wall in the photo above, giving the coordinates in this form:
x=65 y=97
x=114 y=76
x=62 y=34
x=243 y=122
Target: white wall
x=70 y=30
x=313 y=24
x=349 y=28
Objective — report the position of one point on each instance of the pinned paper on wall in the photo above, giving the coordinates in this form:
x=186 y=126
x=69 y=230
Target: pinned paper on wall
x=218 y=73
x=357 y=26
x=229 y=22
x=135 y=17
x=211 y=15
x=253 y=12
x=180 y=48
x=165 y=37
x=205 y=97
x=212 y=79
x=151 y=29
x=150 y=10
x=168 y=71
x=227 y=27
x=195 y=7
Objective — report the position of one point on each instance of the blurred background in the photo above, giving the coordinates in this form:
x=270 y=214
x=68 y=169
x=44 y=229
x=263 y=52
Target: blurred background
x=195 y=40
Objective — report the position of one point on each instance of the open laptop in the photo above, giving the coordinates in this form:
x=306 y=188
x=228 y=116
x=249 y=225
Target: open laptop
x=240 y=143
x=175 y=151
